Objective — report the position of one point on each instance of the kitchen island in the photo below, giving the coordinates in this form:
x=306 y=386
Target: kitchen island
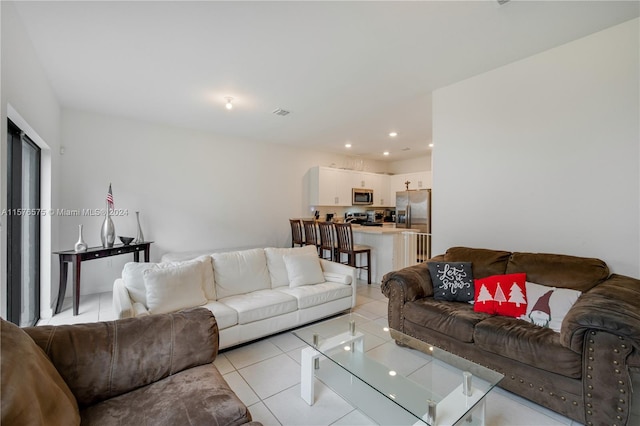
x=388 y=245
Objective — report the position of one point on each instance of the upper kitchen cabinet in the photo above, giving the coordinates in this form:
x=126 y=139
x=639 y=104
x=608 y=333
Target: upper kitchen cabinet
x=329 y=187
x=383 y=197
x=359 y=180
x=364 y=180
x=418 y=180
x=377 y=182
x=332 y=187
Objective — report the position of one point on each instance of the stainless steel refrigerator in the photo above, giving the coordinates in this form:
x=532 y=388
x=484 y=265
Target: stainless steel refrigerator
x=413 y=210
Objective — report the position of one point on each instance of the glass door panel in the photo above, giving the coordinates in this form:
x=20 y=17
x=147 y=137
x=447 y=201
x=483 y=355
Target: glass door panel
x=23 y=233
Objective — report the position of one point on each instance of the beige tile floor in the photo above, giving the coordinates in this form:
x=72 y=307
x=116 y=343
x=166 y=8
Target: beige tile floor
x=266 y=374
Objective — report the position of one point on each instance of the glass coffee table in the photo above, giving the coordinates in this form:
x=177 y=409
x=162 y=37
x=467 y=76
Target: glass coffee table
x=393 y=385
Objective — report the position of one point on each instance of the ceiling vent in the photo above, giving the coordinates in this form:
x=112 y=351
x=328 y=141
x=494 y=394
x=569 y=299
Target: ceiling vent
x=280 y=111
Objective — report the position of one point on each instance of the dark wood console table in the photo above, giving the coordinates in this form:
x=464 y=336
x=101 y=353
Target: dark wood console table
x=76 y=258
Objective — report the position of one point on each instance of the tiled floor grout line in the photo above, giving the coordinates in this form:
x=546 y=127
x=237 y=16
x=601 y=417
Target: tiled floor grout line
x=254 y=363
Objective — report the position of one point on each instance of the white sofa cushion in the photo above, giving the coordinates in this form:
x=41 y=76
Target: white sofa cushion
x=303 y=269
x=275 y=262
x=317 y=294
x=174 y=287
x=240 y=272
x=261 y=304
x=225 y=316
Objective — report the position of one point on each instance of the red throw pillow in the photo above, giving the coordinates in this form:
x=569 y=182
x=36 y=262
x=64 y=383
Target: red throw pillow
x=501 y=294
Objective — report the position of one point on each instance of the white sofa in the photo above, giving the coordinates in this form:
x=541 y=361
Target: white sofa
x=252 y=293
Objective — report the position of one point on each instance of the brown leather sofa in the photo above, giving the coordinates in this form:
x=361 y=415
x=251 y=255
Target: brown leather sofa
x=584 y=372
x=155 y=370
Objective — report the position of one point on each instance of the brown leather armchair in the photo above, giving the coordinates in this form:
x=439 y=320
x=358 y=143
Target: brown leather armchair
x=148 y=370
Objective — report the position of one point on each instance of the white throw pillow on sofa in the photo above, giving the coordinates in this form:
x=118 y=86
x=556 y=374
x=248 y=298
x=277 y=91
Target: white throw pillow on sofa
x=547 y=306
x=303 y=269
x=174 y=287
x=134 y=280
x=240 y=272
x=208 y=281
x=275 y=262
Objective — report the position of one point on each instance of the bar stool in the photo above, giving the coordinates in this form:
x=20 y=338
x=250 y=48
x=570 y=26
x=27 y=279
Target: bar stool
x=310 y=233
x=346 y=246
x=296 y=232
x=327 y=241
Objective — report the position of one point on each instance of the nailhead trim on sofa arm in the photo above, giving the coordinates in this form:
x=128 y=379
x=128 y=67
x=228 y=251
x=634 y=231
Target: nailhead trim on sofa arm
x=600 y=402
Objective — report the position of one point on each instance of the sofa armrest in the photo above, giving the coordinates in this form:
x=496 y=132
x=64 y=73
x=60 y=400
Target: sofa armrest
x=341 y=269
x=406 y=285
x=122 y=303
x=338 y=268
x=613 y=307
x=101 y=360
x=140 y=310
x=415 y=280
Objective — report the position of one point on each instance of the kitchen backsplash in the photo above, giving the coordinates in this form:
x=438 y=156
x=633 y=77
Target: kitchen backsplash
x=338 y=211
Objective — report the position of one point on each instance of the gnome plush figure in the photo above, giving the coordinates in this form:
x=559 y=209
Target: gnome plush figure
x=541 y=312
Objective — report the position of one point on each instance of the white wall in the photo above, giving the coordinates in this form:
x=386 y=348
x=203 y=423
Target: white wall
x=416 y=164
x=28 y=99
x=543 y=154
x=195 y=190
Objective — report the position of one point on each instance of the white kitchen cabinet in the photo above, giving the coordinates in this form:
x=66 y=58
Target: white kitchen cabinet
x=361 y=180
x=377 y=182
x=329 y=187
x=380 y=185
x=418 y=180
x=332 y=187
x=421 y=180
x=383 y=196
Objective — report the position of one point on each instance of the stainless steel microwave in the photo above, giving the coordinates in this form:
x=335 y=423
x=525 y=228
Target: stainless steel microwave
x=361 y=196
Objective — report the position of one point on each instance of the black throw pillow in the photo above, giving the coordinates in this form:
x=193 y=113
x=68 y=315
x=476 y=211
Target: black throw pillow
x=452 y=281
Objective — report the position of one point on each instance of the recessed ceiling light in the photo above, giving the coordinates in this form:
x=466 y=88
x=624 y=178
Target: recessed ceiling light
x=431 y=145
x=347 y=145
x=385 y=153
x=229 y=105
x=393 y=134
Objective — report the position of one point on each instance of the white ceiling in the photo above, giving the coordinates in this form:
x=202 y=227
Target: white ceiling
x=347 y=71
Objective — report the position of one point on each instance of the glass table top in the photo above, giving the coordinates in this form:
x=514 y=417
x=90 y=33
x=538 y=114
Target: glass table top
x=354 y=347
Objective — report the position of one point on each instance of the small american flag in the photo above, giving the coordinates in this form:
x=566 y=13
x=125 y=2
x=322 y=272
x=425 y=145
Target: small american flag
x=110 y=199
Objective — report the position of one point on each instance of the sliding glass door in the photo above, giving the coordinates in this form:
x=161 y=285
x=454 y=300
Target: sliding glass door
x=23 y=228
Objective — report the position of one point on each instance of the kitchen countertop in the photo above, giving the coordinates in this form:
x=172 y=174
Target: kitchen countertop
x=380 y=229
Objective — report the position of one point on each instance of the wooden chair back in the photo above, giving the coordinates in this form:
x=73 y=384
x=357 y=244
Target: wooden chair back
x=327 y=241
x=310 y=233
x=296 y=232
x=344 y=235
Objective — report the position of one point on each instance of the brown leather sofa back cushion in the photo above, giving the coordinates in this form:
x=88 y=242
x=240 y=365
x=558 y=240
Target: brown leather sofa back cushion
x=33 y=393
x=485 y=262
x=558 y=270
x=102 y=360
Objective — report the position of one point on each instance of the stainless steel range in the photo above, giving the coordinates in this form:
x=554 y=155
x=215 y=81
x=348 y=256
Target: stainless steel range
x=357 y=218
